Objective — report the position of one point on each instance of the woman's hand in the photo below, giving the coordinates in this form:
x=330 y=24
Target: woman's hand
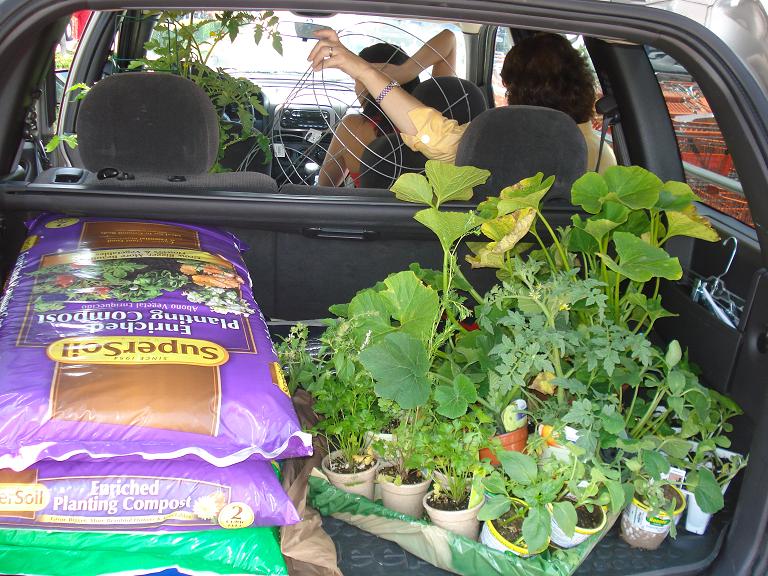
x=329 y=52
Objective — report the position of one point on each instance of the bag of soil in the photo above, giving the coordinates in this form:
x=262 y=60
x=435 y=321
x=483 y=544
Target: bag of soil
x=123 y=495
x=137 y=338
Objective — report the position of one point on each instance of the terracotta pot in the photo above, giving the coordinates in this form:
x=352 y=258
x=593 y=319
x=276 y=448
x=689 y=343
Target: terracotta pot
x=640 y=530
x=462 y=522
x=512 y=441
x=405 y=498
x=360 y=483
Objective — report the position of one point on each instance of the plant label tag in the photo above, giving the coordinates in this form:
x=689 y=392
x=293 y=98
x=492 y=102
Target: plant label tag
x=279 y=150
x=313 y=135
x=675 y=475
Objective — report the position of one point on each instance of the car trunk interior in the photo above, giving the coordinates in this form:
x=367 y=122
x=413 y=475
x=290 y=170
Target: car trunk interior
x=309 y=249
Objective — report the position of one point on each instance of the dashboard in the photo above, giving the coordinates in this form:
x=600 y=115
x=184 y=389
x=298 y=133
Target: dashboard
x=301 y=120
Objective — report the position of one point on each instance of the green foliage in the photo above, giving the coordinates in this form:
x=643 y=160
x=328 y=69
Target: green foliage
x=565 y=328
x=182 y=44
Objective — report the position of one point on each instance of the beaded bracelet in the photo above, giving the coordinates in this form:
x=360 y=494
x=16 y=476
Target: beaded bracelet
x=387 y=89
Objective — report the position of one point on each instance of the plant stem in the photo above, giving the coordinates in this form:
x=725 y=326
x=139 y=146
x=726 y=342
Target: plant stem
x=559 y=246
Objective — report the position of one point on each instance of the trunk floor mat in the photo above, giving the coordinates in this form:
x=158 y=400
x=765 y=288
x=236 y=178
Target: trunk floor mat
x=362 y=554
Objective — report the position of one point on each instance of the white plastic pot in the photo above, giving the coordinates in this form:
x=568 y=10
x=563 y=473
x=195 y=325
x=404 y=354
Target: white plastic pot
x=360 y=483
x=463 y=522
x=696 y=520
x=405 y=498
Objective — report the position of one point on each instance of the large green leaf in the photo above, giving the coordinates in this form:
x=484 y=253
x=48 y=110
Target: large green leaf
x=708 y=494
x=536 y=528
x=616 y=494
x=513 y=227
x=520 y=467
x=650 y=306
x=453 y=400
x=675 y=196
x=654 y=463
x=371 y=313
x=577 y=238
x=495 y=506
x=412 y=303
x=613 y=211
x=599 y=227
x=639 y=261
x=565 y=516
x=589 y=191
x=525 y=194
x=633 y=186
x=450 y=182
x=448 y=226
x=399 y=364
x=414 y=188
x=688 y=222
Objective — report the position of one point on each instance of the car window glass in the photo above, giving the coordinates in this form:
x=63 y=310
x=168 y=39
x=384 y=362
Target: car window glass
x=707 y=162
x=241 y=57
x=503 y=44
x=64 y=51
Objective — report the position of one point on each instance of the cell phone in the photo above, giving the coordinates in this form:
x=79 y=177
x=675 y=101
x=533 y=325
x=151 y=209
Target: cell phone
x=307 y=30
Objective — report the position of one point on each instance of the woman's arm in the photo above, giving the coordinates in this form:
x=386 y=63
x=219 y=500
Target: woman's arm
x=330 y=53
x=438 y=52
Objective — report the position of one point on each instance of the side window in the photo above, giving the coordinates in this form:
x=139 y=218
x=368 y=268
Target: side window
x=707 y=162
x=65 y=49
x=503 y=45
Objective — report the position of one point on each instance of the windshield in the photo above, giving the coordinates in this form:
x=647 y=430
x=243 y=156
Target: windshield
x=244 y=58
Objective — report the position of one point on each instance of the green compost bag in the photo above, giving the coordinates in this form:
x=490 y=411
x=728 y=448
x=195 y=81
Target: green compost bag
x=46 y=553
x=440 y=547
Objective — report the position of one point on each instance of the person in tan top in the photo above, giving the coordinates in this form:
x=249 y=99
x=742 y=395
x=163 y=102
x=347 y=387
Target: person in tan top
x=543 y=70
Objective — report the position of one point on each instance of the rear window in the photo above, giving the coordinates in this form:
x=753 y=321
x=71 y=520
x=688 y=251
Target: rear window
x=708 y=165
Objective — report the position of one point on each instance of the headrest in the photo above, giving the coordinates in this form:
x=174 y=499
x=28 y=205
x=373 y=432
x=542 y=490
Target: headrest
x=148 y=123
x=515 y=142
x=385 y=159
x=455 y=98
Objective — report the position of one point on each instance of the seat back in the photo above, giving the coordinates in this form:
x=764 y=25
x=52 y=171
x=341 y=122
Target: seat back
x=387 y=157
x=515 y=142
x=153 y=130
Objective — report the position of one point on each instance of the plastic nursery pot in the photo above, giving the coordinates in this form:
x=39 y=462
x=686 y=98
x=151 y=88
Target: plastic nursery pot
x=580 y=534
x=696 y=520
x=360 y=483
x=462 y=522
x=405 y=498
x=640 y=530
x=492 y=537
x=511 y=441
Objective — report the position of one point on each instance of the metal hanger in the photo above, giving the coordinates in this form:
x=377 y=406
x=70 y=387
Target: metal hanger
x=715 y=297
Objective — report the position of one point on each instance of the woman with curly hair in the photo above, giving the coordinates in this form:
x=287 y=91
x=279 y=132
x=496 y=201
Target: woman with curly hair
x=542 y=70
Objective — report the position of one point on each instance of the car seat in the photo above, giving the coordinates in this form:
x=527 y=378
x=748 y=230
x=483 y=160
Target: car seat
x=515 y=142
x=143 y=130
x=387 y=157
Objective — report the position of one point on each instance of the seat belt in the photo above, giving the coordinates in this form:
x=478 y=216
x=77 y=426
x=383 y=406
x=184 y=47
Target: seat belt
x=608 y=108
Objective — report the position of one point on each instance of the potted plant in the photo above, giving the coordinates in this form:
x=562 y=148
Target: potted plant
x=452 y=456
x=594 y=490
x=404 y=482
x=656 y=505
x=344 y=398
x=522 y=499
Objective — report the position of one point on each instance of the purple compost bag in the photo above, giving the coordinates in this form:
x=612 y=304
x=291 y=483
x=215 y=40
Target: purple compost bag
x=126 y=337
x=120 y=495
